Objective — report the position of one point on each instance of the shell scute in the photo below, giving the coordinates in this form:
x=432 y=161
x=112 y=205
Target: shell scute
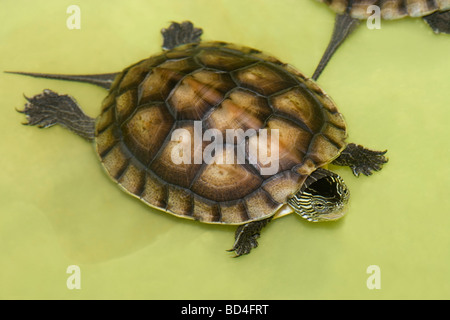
x=263 y=79
x=158 y=84
x=134 y=75
x=185 y=66
x=223 y=60
x=242 y=109
x=181 y=173
x=115 y=162
x=222 y=180
x=299 y=104
x=125 y=104
x=198 y=93
x=145 y=132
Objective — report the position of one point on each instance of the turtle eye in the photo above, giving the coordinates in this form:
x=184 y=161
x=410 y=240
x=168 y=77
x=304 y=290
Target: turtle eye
x=319 y=205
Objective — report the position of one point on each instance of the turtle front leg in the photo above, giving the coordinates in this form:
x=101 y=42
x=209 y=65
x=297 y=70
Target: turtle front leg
x=361 y=160
x=180 y=33
x=246 y=235
x=49 y=108
x=439 y=21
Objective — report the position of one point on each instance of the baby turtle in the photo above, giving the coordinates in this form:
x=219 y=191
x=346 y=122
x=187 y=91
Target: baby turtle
x=158 y=110
x=349 y=13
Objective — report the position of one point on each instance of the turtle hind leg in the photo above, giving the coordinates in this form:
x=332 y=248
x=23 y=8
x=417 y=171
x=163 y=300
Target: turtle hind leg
x=361 y=160
x=343 y=26
x=246 y=236
x=49 y=108
x=180 y=33
x=439 y=21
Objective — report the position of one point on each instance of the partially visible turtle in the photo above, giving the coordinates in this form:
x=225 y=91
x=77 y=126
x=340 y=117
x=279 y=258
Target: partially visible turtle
x=219 y=86
x=349 y=13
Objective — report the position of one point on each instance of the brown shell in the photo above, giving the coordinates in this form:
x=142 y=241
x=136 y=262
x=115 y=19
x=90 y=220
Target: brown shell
x=219 y=86
x=390 y=9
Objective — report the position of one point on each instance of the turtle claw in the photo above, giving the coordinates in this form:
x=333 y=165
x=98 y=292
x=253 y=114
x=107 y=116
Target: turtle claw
x=244 y=244
x=361 y=160
x=49 y=108
x=246 y=237
x=38 y=110
x=180 y=33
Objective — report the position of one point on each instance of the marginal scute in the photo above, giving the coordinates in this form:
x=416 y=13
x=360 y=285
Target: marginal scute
x=115 y=162
x=305 y=168
x=133 y=180
x=185 y=66
x=147 y=143
x=260 y=205
x=222 y=60
x=283 y=185
x=125 y=104
x=106 y=140
x=205 y=210
x=109 y=100
x=179 y=201
x=181 y=52
x=155 y=192
x=264 y=79
x=336 y=119
x=135 y=75
x=107 y=119
x=234 y=212
x=335 y=135
x=198 y=93
x=322 y=150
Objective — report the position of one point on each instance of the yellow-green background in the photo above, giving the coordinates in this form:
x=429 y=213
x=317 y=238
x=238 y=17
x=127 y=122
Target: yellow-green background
x=58 y=208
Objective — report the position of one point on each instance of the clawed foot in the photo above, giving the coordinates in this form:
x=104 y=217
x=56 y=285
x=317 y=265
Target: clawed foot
x=246 y=236
x=40 y=110
x=361 y=160
x=439 y=21
x=244 y=242
x=49 y=108
x=180 y=33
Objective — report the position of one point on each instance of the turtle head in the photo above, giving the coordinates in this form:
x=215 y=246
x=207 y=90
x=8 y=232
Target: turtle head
x=323 y=197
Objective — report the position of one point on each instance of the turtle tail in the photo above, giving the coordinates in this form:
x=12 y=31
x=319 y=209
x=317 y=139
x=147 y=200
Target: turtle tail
x=103 y=80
